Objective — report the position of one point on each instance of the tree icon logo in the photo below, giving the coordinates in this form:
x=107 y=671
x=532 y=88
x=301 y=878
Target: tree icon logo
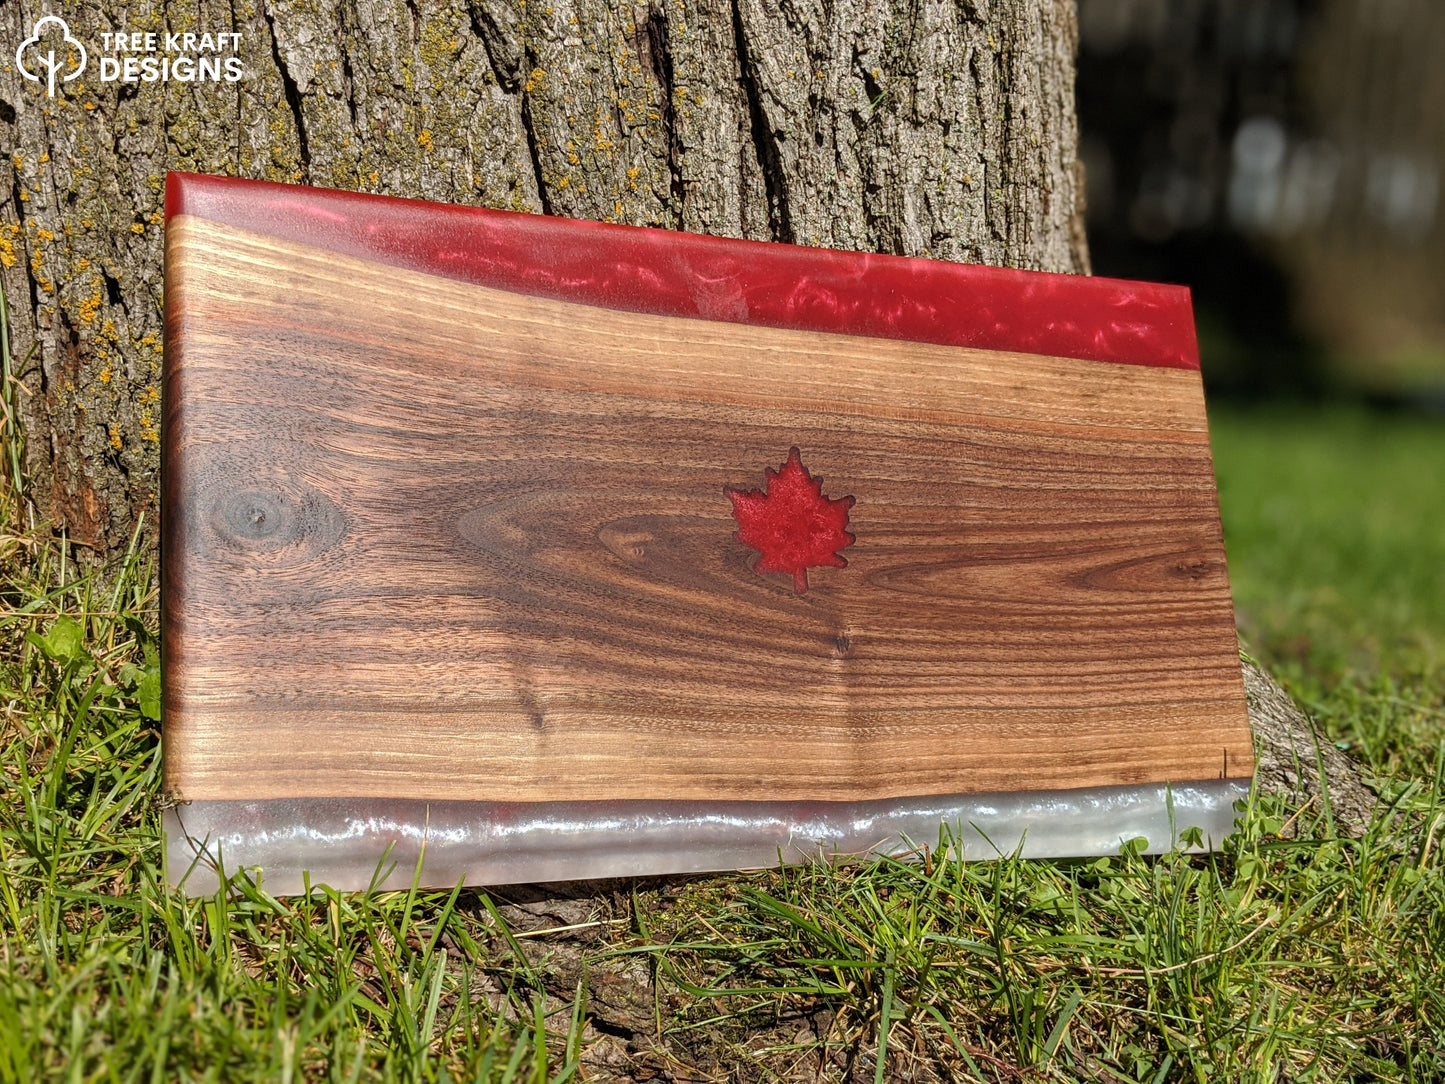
x=45 y=56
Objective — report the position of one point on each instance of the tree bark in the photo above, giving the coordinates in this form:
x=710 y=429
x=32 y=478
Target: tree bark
x=918 y=127
x=1295 y=763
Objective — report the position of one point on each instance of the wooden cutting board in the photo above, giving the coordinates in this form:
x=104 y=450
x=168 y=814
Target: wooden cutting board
x=456 y=506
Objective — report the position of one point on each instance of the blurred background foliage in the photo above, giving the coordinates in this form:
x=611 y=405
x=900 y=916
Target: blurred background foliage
x=1282 y=158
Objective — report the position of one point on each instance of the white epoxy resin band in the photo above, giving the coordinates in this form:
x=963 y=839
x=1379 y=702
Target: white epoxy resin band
x=353 y=844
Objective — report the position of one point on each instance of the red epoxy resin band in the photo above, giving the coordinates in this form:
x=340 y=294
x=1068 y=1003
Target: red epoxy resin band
x=670 y=273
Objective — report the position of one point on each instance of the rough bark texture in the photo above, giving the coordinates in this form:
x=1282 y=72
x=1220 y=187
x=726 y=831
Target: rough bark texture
x=918 y=127
x=1293 y=761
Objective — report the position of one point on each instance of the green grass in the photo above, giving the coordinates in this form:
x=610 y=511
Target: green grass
x=1334 y=520
x=1309 y=958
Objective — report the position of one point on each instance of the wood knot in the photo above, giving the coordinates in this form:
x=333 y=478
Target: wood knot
x=626 y=540
x=279 y=521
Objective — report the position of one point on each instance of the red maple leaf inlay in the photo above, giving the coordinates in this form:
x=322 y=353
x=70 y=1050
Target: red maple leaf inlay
x=791 y=523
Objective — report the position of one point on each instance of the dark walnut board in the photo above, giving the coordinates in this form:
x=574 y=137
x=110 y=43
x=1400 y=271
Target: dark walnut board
x=426 y=538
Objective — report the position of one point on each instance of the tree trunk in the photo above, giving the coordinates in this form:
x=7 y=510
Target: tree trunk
x=919 y=127
x=1293 y=761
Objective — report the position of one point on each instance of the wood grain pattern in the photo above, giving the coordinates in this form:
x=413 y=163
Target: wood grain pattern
x=429 y=539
